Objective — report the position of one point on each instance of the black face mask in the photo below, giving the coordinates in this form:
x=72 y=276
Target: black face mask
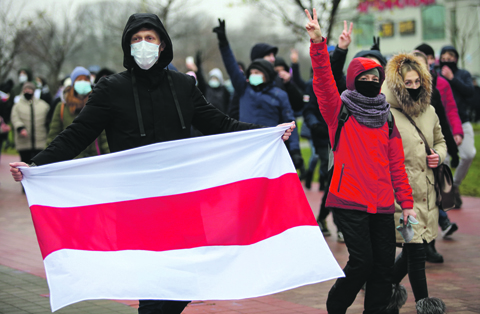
x=452 y=65
x=415 y=93
x=28 y=96
x=368 y=88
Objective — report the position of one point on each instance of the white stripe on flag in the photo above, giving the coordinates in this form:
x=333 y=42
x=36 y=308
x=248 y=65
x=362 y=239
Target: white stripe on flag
x=205 y=273
x=160 y=169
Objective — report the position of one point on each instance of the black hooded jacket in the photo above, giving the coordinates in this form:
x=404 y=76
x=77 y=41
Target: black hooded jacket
x=112 y=105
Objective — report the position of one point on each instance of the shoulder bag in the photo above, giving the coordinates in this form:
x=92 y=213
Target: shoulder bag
x=443 y=177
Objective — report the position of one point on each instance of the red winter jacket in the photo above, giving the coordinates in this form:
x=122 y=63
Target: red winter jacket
x=368 y=163
x=450 y=105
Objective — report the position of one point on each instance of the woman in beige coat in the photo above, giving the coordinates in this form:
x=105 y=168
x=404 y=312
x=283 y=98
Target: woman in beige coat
x=408 y=89
x=29 y=120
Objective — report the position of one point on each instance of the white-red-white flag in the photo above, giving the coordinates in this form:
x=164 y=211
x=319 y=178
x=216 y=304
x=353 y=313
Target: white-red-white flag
x=208 y=218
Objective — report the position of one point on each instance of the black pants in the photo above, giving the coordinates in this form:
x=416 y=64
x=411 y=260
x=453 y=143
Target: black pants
x=412 y=261
x=161 y=306
x=370 y=240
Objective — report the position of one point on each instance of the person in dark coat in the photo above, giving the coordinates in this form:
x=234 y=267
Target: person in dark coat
x=143 y=105
x=261 y=101
x=462 y=87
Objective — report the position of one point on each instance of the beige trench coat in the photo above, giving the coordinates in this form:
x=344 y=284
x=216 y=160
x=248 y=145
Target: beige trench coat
x=420 y=176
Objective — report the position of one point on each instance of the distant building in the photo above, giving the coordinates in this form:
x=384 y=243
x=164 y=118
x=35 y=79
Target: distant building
x=404 y=24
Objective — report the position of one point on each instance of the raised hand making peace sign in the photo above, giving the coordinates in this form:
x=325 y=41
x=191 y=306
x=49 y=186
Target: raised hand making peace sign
x=313 y=28
x=345 y=38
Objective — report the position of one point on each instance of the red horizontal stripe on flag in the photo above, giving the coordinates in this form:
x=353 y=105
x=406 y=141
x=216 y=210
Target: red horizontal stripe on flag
x=240 y=213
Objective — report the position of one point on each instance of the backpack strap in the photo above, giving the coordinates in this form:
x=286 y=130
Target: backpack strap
x=342 y=118
x=391 y=123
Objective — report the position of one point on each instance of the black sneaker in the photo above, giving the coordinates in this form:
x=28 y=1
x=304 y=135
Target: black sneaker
x=431 y=253
x=449 y=230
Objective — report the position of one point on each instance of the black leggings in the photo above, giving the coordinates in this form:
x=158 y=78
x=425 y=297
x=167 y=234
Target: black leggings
x=411 y=261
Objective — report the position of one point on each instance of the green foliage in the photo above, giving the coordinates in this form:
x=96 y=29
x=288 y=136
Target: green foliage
x=470 y=184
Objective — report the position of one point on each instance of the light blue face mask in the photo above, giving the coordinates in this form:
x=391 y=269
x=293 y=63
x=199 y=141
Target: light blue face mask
x=214 y=83
x=82 y=87
x=255 y=79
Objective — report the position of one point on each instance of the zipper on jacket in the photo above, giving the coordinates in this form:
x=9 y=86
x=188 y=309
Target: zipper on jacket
x=341 y=176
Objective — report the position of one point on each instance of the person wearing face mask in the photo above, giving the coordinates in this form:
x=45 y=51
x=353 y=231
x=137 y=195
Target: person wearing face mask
x=76 y=96
x=408 y=89
x=143 y=105
x=448 y=227
x=214 y=90
x=445 y=90
x=261 y=101
x=368 y=175
x=29 y=116
x=462 y=87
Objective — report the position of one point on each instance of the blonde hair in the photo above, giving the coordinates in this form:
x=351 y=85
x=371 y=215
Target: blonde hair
x=405 y=68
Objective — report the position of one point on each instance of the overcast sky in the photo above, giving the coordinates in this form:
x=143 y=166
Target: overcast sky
x=235 y=15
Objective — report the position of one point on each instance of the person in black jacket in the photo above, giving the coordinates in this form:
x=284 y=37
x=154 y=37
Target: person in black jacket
x=143 y=105
x=462 y=87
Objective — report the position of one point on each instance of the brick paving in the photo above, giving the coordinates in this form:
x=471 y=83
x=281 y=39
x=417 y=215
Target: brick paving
x=23 y=288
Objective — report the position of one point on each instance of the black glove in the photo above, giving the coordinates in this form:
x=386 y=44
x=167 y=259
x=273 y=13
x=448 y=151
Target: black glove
x=376 y=43
x=454 y=162
x=319 y=131
x=198 y=59
x=221 y=34
x=297 y=159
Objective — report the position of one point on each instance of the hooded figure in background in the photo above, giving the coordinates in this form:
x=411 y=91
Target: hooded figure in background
x=261 y=100
x=143 y=105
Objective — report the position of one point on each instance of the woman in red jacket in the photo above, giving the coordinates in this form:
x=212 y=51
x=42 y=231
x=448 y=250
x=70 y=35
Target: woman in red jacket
x=368 y=175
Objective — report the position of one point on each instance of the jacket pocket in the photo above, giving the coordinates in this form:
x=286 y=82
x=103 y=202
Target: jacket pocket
x=340 y=180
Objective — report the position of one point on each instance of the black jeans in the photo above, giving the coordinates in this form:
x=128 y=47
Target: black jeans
x=370 y=240
x=161 y=306
x=412 y=261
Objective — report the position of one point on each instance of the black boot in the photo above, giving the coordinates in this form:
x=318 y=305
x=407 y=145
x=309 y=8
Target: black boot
x=432 y=255
x=458 y=199
x=431 y=306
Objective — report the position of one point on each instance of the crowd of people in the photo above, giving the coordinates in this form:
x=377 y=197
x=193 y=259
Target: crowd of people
x=366 y=128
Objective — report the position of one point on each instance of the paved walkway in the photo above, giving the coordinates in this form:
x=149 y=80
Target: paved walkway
x=23 y=288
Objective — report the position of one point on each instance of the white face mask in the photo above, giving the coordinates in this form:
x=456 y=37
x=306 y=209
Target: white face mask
x=145 y=54
x=22 y=78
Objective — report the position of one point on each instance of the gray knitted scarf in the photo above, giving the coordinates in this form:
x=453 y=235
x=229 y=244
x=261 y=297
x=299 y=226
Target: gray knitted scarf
x=369 y=111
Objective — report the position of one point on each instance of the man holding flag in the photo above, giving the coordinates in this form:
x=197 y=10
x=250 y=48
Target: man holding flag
x=143 y=105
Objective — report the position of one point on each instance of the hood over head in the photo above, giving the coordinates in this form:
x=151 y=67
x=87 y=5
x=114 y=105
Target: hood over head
x=449 y=48
x=360 y=65
x=396 y=85
x=265 y=67
x=134 y=24
x=373 y=53
x=29 y=73
x=426 y=49
x=279 y=61
x=261 y=50
x=216 y=72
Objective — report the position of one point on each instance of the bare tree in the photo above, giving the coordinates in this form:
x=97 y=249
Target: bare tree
x=10 y=39
x=291 y=13
x=52 y=42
